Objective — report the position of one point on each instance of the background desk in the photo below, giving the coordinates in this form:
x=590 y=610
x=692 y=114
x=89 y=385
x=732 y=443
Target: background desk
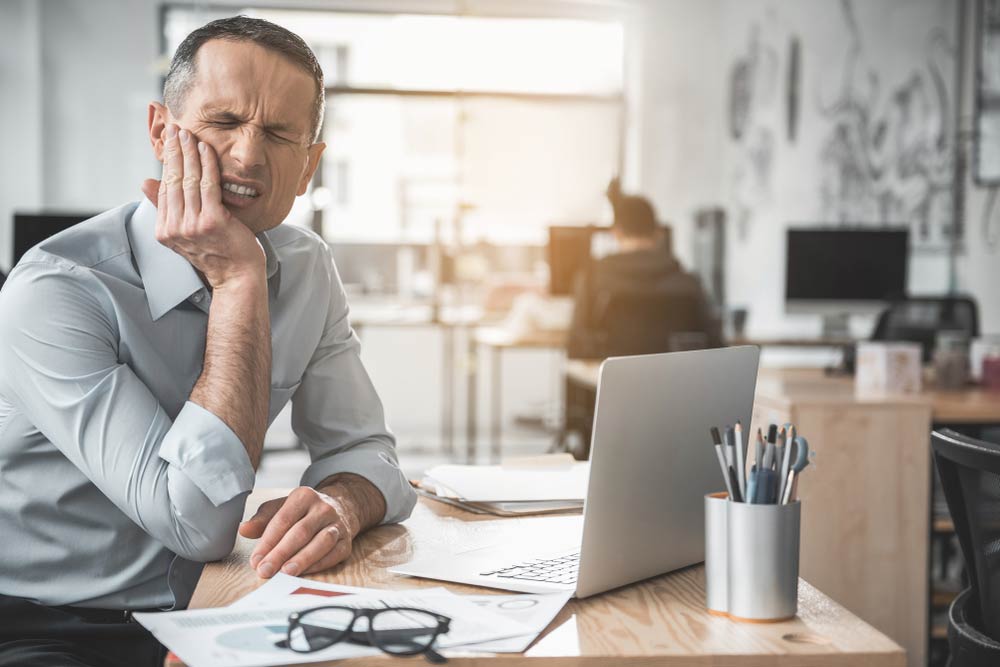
x=660 y=622
x=866 y=502
x=497 y=340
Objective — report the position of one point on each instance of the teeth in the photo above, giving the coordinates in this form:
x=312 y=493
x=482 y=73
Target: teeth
x=239 y=189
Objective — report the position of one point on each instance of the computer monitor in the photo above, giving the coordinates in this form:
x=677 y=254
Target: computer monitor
x=31 y=229
x=568 y=253
x=841 y=270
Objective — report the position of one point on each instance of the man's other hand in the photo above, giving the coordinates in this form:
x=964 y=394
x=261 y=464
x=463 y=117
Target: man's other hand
x=312 y=530
x=191 y=219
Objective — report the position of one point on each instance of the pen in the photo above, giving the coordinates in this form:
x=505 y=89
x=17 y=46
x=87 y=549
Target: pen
x=717 y=442
x=738 y=497
x=759 y=450
x=733 y=436
x=779 y=449
x=741 y=447
x=764 y=487
x=786 y=459
x=768 y=462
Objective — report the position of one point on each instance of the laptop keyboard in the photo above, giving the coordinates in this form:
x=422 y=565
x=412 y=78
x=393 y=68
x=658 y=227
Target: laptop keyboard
x=561 y=570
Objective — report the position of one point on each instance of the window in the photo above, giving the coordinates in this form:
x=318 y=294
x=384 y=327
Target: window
x=456 y=127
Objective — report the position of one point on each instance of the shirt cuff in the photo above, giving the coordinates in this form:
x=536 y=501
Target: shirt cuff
x=207 y=451
x=375 y=462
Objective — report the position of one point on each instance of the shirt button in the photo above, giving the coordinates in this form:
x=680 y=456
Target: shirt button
x=197 y=297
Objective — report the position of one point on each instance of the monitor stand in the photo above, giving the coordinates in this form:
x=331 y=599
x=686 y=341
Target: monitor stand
x=837 y=326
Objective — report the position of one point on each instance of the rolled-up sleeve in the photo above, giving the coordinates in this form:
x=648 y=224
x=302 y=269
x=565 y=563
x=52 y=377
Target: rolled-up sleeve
x=209 y=453
x=338 y=415
x=183 y=481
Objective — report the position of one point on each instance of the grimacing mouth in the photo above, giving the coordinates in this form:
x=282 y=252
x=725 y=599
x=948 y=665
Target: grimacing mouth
x=239 y=190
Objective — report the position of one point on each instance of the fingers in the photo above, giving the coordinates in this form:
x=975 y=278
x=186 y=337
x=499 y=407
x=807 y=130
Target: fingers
x=293 y=509
x=211 y=185
x=173 y=175
x=325 y=540
x=191 y=182
x=339 y=553
x=254 y=526
x=150 y=188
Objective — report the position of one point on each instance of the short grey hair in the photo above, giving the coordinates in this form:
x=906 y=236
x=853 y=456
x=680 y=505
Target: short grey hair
x=269 y=35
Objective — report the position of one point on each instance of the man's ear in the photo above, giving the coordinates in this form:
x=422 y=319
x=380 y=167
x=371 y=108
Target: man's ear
x=315 y=151
x=159 y=116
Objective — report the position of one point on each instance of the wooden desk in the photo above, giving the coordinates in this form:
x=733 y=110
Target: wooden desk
x=866 y=502
x=660 y=622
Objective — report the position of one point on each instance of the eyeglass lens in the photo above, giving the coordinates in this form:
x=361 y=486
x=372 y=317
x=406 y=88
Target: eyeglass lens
x=320 y=628
x=402 y=631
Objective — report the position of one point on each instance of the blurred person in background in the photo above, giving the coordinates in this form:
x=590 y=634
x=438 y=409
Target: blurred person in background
x=643 y=264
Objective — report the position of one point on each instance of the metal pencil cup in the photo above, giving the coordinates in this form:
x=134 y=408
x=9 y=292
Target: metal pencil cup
x=751 y=559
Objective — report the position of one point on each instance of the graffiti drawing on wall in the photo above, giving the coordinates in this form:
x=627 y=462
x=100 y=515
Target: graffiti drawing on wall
x=753 y=89
x=888 y=155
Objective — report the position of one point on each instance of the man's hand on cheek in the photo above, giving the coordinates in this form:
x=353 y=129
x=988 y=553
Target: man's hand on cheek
x=308 y=531
x=190 y=217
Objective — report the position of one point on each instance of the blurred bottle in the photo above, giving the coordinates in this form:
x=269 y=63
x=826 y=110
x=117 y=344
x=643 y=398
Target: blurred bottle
x=951 y=360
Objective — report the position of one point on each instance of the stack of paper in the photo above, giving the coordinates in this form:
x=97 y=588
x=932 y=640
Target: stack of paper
x=249 y=632
x=538 y=485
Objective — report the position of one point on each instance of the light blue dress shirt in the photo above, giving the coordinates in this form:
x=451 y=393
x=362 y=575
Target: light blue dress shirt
x=114 y=488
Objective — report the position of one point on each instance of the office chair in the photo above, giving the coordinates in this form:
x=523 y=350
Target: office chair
x=919 y=319
x=629 y=322
x=648 y=321
x=970 y=476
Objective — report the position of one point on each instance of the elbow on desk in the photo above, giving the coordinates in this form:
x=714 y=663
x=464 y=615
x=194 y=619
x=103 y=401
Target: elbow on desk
x=207 y=535
x=206 y=549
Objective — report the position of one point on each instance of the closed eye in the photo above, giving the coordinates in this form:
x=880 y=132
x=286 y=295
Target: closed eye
x=279 y=137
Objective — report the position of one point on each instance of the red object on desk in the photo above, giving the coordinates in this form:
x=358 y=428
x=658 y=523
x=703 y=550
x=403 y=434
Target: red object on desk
x=991 y=373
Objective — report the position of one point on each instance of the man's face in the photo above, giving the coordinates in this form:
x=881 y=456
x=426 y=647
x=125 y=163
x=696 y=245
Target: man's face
x=254 y=107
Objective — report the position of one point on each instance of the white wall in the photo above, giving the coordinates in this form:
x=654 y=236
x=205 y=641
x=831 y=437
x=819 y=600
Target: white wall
x=20 y=115
x=979 y=268
x=766 y=181
x=99 y=75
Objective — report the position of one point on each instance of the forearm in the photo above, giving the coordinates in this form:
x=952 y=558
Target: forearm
x=364 y=501
x=235 y=380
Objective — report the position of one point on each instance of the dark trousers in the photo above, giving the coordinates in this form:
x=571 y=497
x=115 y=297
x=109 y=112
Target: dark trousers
x=33 y=635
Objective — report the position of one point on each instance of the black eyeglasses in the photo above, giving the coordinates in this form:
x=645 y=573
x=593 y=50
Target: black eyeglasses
x=395 y=630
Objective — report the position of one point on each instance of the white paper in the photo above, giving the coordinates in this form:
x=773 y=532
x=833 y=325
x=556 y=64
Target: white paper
x=246 y=637
x=503 y=484
x=533 y=611
x=283 y=590
x=225 y=637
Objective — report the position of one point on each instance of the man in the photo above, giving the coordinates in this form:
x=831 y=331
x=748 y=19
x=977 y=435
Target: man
x=642 y=265
x=145 y=352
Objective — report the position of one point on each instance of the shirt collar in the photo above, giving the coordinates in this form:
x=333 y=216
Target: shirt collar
x=167 y=277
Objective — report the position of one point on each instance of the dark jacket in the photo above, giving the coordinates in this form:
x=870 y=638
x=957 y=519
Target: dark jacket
x=633 y=302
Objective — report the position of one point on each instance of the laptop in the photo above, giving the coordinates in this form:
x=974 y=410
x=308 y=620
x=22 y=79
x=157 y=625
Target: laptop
x=651 y=465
